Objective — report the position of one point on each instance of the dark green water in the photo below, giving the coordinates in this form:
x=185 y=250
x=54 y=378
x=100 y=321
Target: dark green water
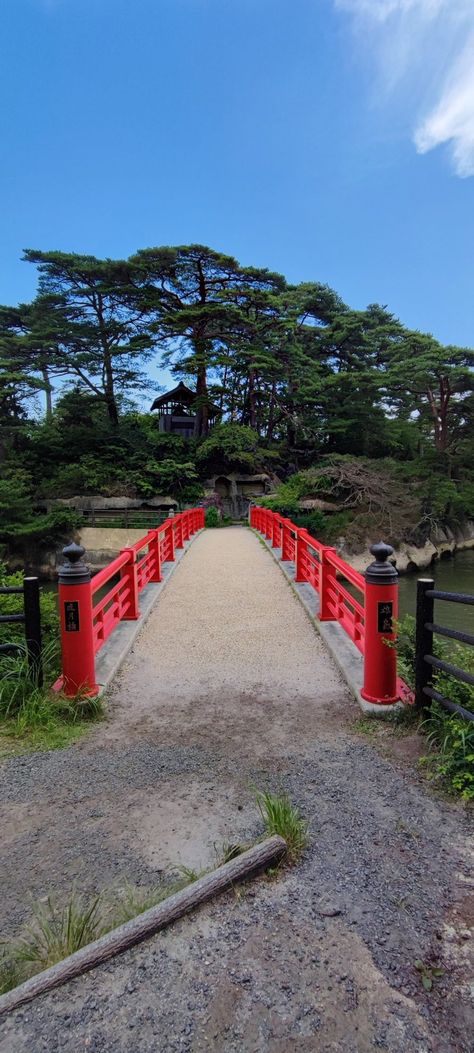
x=453 y=574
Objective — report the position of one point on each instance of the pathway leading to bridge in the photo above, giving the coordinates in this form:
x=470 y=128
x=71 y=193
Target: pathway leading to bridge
x=229 y=688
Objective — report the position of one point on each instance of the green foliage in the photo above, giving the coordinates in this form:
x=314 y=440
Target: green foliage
x=428 y=973
x=282 y=817
x=450 y=737
x=15 y=499
x=229 y=447
x=53 y=933
x=212 y=518
x=346 y=405
x=12 y=632
x=131 y=900
x=34 y=717
x=453 y=739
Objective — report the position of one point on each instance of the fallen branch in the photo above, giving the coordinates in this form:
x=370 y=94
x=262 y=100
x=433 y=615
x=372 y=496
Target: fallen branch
x=148 y=923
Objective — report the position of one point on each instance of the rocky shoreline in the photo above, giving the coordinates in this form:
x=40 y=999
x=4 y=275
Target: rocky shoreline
x=103 y=544
x=408 y=558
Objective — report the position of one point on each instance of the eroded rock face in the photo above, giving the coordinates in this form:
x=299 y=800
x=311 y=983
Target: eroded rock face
x=412 y=557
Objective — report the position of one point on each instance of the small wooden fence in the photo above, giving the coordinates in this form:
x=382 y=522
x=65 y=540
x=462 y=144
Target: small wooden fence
x=428 y=664
x=87 y=620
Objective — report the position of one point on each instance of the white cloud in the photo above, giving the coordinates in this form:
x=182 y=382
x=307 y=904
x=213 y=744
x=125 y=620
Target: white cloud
x=429 y=45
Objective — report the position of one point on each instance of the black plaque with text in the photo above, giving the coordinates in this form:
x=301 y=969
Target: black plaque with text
x=71 y=616
x=385 y=617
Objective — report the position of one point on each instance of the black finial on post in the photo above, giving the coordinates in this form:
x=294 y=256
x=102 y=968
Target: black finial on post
x=381 y=572
x=74 y=571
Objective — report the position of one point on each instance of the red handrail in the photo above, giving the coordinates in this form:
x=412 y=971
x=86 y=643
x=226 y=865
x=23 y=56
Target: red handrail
x=320 y=566
x=133 y=569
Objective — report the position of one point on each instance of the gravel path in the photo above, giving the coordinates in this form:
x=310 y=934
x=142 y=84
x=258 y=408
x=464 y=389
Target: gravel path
x=229 y=687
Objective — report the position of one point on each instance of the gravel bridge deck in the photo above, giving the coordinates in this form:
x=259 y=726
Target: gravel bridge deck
x=229 y=688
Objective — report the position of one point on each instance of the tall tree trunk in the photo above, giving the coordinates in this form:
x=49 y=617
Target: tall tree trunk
x=109 y=387
x=201 y=427
x=439 y=410
x=48 y=391
x=224 y=389
x=271 y=413
x=251 y=400
x=244 y=415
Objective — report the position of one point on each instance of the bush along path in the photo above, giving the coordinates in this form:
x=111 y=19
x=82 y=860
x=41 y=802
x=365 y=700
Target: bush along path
x=366 y=944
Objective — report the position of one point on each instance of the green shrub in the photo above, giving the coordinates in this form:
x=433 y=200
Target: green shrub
x=451 y=738
x=12 y=632
x=212 y=518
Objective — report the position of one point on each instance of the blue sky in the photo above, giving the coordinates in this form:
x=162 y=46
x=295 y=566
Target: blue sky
x=332 y=140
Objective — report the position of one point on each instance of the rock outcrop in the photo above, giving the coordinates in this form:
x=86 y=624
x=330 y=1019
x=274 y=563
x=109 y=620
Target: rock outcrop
x=409 y=557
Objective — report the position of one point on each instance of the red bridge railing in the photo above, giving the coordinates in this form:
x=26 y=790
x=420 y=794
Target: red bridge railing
x=88 y=620
x=368 y=617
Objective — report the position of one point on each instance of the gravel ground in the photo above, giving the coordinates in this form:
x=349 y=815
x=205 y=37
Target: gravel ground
x=229 y=687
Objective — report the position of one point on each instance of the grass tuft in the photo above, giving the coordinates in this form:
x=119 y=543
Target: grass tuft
x=53 y=933
x=135 y=899
x=282 y=817
x=228 y=850
x=34 y=717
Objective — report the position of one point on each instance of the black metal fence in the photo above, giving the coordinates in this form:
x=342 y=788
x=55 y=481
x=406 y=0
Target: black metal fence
x=427 y=665
x=31 y=618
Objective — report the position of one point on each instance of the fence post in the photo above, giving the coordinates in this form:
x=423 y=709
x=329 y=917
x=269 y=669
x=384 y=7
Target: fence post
x=129 y=571
x=154 y=546
x=301 y=549
x=381 y=611
x=77 y=633
x=327 y=577
x=423 y=640
x=31 y=607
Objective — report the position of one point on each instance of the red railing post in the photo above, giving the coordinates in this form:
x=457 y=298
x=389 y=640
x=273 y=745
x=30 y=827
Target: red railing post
x=77 y=630
x=179 y=543
x=301 y=551
x=171 y=533
x=285 y=540
x=381 y=612
x=275 y=530
x=154 y=547
x=327 y=577
x=269 y=525
x=185 y=526
x=129 y=571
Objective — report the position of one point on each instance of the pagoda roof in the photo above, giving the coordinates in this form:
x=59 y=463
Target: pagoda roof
x=180 y=393
x=183 y=396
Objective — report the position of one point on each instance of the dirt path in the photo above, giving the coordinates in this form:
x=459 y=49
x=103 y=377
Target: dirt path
x=228 y=688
